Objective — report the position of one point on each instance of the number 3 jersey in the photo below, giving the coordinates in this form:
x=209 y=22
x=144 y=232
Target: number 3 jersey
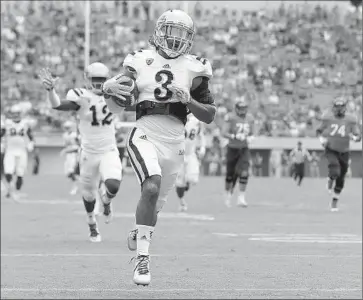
x=155 y=75
x=338 y=130
x=96 y=125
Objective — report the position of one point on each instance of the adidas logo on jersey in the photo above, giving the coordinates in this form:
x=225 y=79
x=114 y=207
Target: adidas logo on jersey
x=167 y=66
x=143 y=137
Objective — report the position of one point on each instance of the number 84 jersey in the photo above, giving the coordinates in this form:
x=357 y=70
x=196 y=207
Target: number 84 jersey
x=96 y=125
x=155 y=75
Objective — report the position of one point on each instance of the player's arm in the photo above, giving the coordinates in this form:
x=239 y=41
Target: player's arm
x=201 y=103
x=202 y=143
x=48 y=82
x=319 y=131
x=29 y=133
x=307 y=155
x=356 y=134
x=226 y=129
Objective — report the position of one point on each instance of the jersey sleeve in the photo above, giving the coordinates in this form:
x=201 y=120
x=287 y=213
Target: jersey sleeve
x=201 y=67
x=74 y=95
x=324 y=123
x=132 y=61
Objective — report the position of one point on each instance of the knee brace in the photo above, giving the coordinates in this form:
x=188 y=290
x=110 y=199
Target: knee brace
x=151 y=189
x=8 y=177
x=243 y=178
x=112 y=187
x=180 y=191
x=229 y=178
x=19 y=183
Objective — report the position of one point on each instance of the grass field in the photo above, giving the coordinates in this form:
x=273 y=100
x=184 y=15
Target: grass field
x=286 y=244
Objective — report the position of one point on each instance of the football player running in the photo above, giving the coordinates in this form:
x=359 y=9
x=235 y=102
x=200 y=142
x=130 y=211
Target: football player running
x=238 y=129
x=335 y=132
x=18 y=142
x=99 y=156
x=194 y=152
x=171 y=84
x=70 y=151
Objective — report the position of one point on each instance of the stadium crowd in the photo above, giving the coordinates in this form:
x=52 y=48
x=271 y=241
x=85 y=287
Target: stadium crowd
x=287 y=62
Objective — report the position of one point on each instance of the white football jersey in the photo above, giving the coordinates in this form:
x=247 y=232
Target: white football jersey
x=96 y=126
x=16 y=136
x=154 y=77
x=194 y=136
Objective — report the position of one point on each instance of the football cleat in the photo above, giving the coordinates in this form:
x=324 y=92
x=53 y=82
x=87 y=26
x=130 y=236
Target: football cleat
x=334 y=205
x=94 y=235
x=241 y=202
x=183 y=206
x=141 y=272
x=131 y=240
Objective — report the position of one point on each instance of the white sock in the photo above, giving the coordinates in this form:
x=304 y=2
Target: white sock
x=144 y=234
x=91 y=218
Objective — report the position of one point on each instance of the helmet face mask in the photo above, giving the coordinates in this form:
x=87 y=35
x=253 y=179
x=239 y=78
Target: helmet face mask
x=339 y=107
x=241 y=109
x=174 y=33
x=15 y=114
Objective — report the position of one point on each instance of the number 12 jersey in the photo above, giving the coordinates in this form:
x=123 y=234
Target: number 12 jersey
x=96 y=125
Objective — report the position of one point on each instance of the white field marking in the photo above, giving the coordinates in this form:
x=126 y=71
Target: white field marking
x=164 y=215
x=175 y=255
x=299 y=238
x=148 y=290
x=51 y=202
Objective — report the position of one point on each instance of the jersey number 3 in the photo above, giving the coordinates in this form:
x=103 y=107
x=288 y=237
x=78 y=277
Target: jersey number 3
x=164 y=78
x=336 y=129
x=105 y=121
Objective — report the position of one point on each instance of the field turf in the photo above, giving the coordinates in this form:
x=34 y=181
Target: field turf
x=286 y=244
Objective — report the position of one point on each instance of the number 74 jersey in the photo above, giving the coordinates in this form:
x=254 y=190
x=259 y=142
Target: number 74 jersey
x=338 y=130
x=96 y=125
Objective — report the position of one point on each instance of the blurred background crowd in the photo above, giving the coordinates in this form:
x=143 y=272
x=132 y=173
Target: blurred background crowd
x=288 y=61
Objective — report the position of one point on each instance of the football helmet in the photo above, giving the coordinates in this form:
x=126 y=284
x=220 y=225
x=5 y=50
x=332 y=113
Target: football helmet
x=174 y=33
x=339 y=106
x=241 y=108
x=95 y=75
x=15 y=113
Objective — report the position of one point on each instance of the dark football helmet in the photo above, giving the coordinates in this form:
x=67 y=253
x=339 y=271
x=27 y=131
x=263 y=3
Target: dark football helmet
x=339 y=106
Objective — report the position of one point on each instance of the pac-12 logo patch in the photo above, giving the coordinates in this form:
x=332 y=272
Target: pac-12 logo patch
x=149 y=61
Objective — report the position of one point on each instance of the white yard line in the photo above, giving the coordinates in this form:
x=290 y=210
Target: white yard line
x=176 y=255
x=150 y=290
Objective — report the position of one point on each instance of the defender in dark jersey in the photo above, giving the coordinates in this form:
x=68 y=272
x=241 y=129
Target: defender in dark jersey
x=335 y=132
x=238 y=130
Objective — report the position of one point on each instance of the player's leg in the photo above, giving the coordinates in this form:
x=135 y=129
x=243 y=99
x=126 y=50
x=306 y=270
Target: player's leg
x=181 y=186
x=3 y=188
x=333 y=168
x=9 y=170
x=243 y=166
x=340 y=180
x=232 y=156
x=20 y=169
x=192 y=170
x=70 y=170
x=89 y=179
x=301 y=171
x=111 y=174
x=145 y=162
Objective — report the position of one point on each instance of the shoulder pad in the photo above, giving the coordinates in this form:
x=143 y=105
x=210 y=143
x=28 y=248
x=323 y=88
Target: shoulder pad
x=200 y=66
x=75 y=94
x=133 y=59
x=352 y=118
x=327 y=115
x=8 y=122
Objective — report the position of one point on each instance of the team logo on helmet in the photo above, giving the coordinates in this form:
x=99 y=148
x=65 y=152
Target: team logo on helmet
x=149 y=61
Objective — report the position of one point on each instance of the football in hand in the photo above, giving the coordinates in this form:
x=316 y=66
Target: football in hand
x=130 y=100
